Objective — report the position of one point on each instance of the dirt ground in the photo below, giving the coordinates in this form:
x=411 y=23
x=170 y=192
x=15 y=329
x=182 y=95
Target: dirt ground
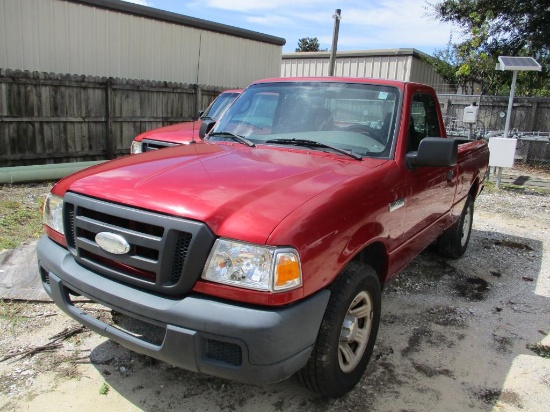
x=470 y=334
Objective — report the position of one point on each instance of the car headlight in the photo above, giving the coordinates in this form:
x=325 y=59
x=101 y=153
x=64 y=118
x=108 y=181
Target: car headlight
x=136 y=147
x=253 y=267
x=53 y=213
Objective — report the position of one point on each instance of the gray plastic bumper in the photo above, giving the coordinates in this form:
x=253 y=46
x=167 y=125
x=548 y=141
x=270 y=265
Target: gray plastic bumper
x=270 y=343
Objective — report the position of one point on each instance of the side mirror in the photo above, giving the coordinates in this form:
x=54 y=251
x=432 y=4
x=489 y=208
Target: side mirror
x=206 y=126
x=434 y=152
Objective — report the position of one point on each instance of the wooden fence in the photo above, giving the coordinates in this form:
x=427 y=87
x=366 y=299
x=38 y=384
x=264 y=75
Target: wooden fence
x=50 y=118
x=529 y=114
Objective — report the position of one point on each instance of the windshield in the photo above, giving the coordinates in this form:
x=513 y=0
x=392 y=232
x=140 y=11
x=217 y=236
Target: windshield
x=219 y=105
x=356 y=117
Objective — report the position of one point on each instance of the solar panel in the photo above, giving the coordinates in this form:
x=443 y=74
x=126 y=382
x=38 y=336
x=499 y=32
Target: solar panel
x=518 y=63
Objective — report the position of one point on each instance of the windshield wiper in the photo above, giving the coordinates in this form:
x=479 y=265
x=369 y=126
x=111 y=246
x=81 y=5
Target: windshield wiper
x=235 y=137
x=313 y=143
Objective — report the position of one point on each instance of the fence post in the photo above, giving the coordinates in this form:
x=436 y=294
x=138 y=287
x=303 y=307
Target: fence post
x=109 y=118
x=532 y=117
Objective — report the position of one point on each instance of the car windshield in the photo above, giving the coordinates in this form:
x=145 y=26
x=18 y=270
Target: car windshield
x=355 y=117
x=219 y=105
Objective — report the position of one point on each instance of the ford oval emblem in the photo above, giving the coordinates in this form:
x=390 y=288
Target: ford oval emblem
x=112 y=243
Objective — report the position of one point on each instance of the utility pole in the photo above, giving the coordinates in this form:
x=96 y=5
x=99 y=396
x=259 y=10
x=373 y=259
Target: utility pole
x=336 y=16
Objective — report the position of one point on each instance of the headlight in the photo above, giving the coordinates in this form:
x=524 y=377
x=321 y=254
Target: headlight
x=136 y=147
x=253 y=267
x=53 y=213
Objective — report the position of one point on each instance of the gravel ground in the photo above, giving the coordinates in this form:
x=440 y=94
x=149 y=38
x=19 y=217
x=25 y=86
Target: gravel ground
x=466 y=334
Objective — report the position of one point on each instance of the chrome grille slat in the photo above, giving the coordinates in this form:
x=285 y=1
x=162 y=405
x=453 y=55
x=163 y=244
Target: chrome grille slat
x=136 y=261
x=136 y=238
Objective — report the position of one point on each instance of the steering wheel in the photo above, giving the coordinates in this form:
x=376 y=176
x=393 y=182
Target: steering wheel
x=368 y=131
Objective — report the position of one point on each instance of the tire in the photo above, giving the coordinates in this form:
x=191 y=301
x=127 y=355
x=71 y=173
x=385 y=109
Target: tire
x=347 y=334
x=454 y=241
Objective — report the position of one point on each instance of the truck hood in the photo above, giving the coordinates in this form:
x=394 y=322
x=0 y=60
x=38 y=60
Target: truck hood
x=239 y=192
x=175 y=133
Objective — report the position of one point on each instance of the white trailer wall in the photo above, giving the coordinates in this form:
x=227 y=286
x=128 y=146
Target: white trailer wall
x=118 y=39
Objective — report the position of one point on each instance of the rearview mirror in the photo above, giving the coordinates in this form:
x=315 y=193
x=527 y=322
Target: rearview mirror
x=434 y=152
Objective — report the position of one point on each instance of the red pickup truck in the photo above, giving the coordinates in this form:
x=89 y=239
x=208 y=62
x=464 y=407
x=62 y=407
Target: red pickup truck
x=262 y=250
x=182 y=133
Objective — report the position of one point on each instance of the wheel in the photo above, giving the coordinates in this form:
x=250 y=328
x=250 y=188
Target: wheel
x=347 y=333
x=454 y=241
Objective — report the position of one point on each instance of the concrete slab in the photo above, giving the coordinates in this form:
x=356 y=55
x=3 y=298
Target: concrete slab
x=19 y=278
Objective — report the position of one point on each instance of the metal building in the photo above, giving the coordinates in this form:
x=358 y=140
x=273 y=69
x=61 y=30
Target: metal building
x=113 y=38
x=396 y=64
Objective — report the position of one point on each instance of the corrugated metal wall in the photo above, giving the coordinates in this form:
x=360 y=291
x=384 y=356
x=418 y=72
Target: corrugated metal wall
x=380 y=67
x=401 y=64
x=423 y=73
x=65 y=37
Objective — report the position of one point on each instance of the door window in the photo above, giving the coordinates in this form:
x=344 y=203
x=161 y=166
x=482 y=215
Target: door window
x=423 y=121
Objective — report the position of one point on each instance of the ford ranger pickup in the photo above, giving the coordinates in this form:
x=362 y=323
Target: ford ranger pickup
x=261 y=251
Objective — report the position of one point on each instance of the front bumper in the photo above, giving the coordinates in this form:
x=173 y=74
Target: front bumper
x=221 y=338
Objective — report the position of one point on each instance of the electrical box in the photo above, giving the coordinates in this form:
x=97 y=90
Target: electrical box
x=502 y=151
x=470 y=114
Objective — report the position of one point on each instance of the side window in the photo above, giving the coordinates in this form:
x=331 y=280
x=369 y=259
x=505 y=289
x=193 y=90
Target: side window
x=423 y=122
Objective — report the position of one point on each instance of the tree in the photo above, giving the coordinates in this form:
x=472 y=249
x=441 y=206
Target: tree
x=468 y=64
x=512 y=24
x=493 y=28
x=308 y=44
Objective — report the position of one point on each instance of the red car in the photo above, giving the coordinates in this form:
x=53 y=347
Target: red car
x=181 y=133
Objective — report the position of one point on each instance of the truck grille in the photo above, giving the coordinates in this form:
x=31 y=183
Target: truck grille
x=148 y=145
x=167 y=254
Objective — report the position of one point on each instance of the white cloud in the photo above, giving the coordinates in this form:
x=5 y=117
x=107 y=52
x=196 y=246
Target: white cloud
x=387 y=24
x=271 y=21
x=257 y=5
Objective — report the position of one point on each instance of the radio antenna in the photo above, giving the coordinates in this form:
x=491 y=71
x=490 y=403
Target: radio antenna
x=197 y=88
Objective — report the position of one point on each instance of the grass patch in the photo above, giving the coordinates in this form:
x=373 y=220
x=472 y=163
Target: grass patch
x=20 y=214
x=540 y=349
x=10 y=316
x=490 y=187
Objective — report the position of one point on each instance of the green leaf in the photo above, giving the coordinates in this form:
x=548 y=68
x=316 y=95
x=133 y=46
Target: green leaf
x=104 y=389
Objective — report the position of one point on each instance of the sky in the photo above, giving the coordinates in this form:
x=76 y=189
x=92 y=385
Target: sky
x=365 y=24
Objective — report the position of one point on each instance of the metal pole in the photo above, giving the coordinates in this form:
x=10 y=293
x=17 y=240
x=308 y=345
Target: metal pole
x=508 y=119
x=510 y=104
x=499 y=177
x=336 y=17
